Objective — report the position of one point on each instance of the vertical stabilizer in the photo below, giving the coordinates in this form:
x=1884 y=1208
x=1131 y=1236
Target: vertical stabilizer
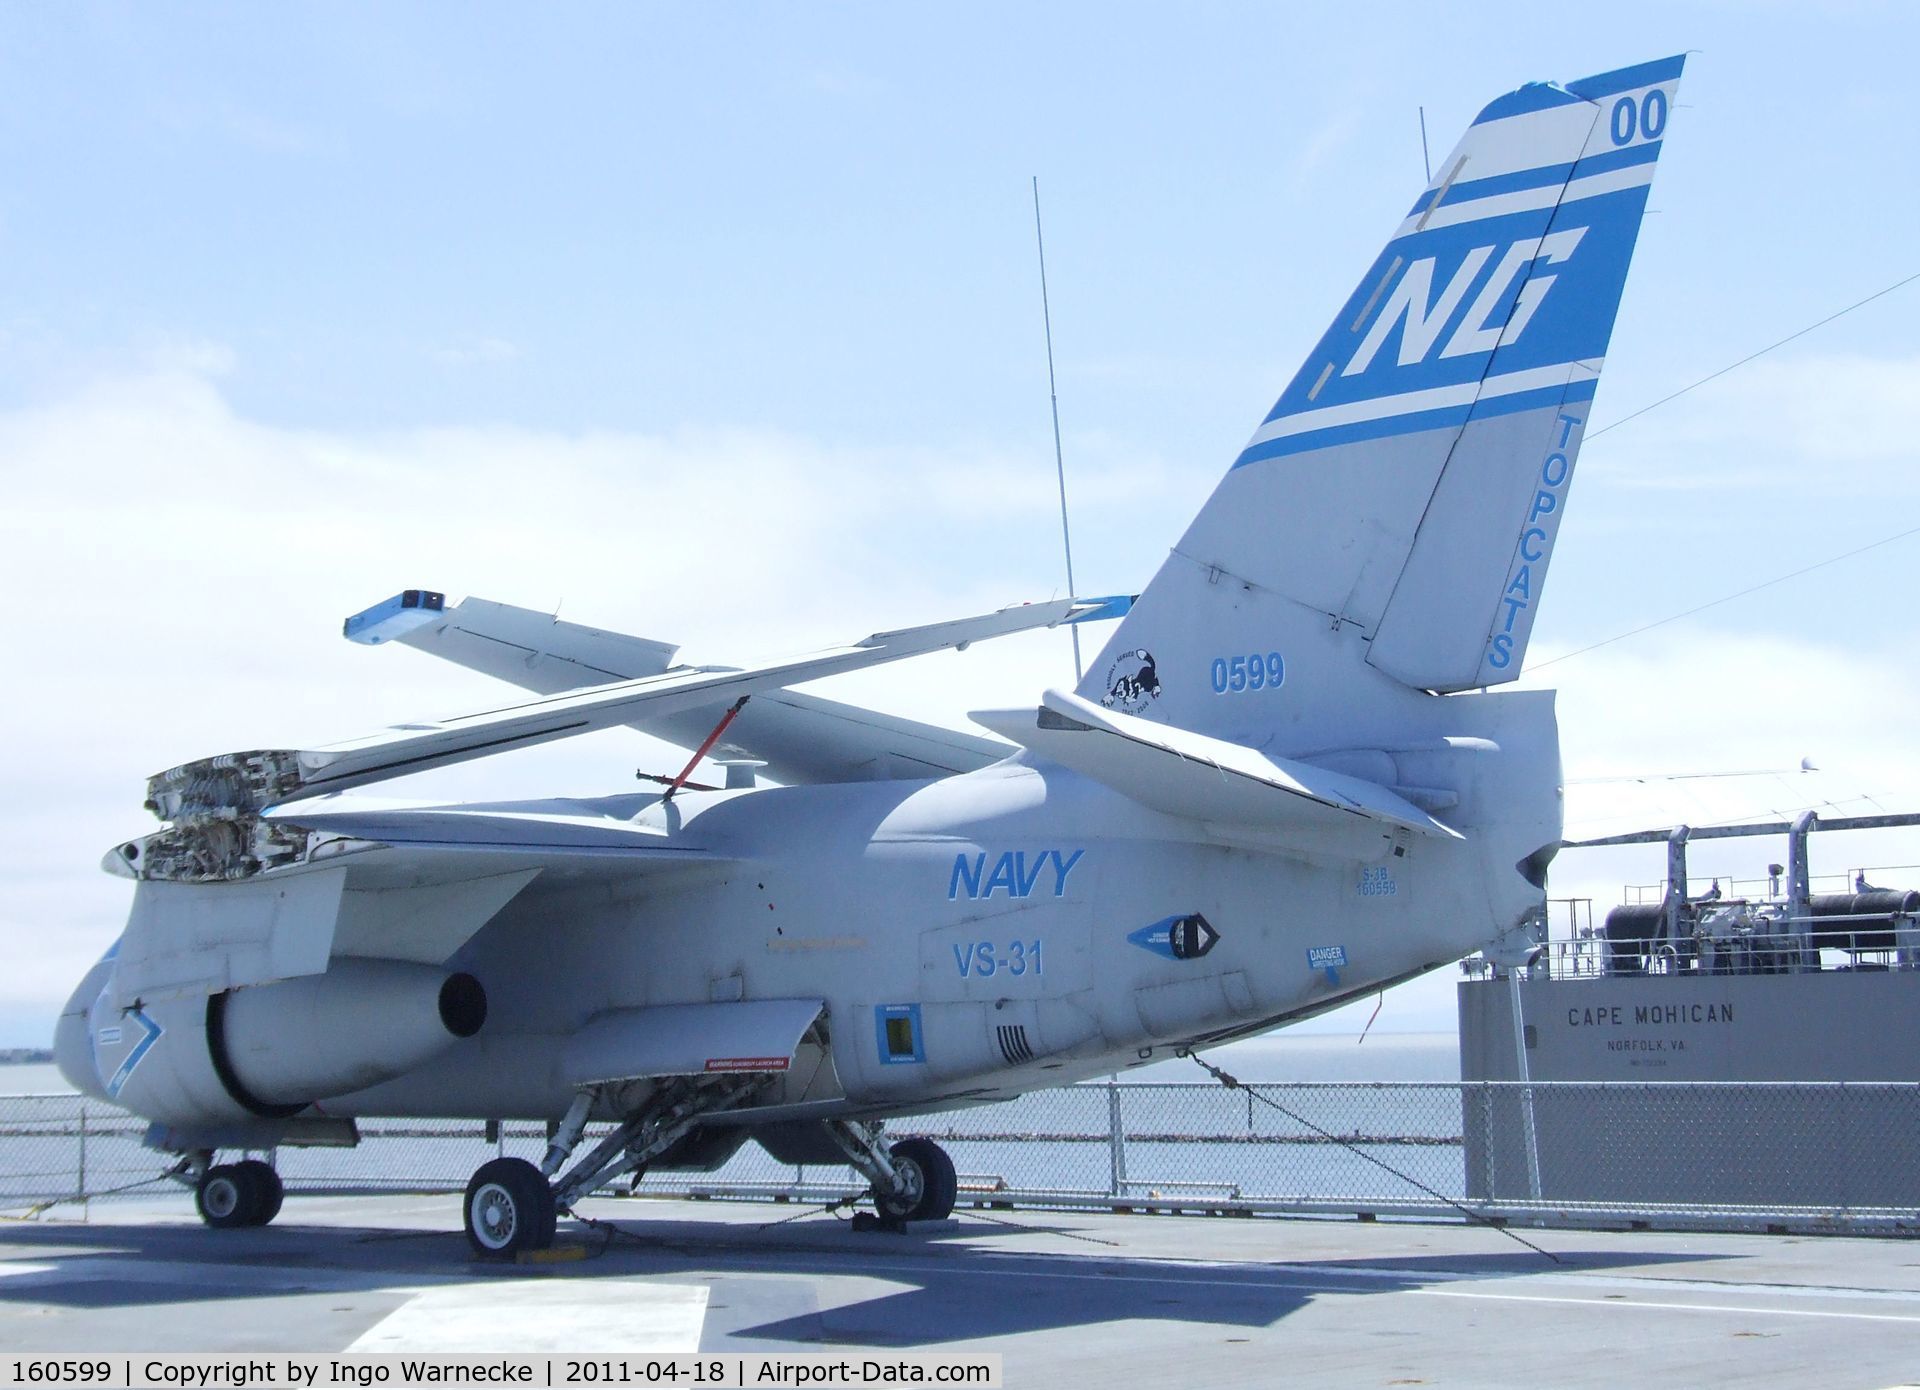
x=1388 y=526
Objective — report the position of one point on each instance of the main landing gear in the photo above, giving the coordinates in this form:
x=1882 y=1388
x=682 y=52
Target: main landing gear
x=512 y=1206
x=227 y=1195
x=913 y=1180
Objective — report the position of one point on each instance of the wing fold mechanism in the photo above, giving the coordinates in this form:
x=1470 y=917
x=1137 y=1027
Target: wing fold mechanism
x=756 y=1035
x=216 y=805
x=1221 y=784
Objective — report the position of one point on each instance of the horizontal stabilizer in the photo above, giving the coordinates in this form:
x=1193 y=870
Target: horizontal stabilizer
x=756 y=1035
x=803 y=738
x=1206 y=779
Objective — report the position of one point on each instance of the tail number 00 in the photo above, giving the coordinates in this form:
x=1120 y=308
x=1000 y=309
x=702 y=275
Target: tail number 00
x=1646 y=118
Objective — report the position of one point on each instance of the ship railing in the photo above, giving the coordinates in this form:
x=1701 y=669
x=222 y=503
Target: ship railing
x=1794 y=946
x=1763 y=889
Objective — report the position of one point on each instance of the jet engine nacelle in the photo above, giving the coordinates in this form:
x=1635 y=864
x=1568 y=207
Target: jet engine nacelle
x=271 y=1050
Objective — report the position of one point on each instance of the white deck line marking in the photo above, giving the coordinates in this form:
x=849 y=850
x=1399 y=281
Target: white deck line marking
x=552 y=1316
x=1635 y=1305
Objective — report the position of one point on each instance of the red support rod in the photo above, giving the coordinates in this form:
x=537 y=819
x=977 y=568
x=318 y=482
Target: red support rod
x=712 y=738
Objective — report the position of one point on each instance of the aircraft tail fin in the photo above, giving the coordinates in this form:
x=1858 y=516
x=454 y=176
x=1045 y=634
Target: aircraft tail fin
x=1390 y=523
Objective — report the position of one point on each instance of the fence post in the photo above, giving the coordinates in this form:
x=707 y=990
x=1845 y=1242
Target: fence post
x=1116 y=1142
x=1842 y=1133
x=1486 y=1138
x=1525 y=1072
x=80 y=1180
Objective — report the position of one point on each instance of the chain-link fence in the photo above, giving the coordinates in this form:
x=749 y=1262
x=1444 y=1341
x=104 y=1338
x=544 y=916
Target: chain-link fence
x=1842 y=1156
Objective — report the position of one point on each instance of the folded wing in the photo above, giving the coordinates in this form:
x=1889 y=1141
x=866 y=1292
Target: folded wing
x=247 y=783
x=800 y=738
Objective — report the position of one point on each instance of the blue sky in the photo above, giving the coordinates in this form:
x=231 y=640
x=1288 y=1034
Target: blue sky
x=720 y=323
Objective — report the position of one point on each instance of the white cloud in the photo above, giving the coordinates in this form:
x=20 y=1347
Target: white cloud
x=170 y=353
x=1772 y=422
x=1330 y=139
x=181 y=572
x=1703 y=701
x=482 y=350
x=1699 y=701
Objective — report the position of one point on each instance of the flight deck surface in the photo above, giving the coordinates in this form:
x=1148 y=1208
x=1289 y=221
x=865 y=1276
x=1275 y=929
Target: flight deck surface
x=1066 y=1297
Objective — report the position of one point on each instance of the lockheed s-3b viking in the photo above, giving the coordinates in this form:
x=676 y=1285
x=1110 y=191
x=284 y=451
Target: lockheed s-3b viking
x=1282 y=785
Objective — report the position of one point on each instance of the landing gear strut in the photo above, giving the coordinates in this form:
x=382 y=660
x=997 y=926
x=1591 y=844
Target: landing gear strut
x=913 y=1180
x=512 y=1206
x=228 y=1195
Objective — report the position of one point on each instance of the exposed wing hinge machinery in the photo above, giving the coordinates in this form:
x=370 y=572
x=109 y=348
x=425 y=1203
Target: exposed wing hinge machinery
x=215 y=830
x=215 y=805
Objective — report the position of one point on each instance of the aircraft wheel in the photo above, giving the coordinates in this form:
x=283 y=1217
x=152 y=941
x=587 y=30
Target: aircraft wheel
x=509 y=1208
x=931 y=1184
x=266 y=1191
x=226 y=1197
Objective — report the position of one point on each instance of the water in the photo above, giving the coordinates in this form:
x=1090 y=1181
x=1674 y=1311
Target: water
x=1186 y=1133
x=32 y=1079
x=1276 y=1059
x=1290 y=1058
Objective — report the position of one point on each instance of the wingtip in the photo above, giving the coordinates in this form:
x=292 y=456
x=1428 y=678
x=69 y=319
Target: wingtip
x=394 y=617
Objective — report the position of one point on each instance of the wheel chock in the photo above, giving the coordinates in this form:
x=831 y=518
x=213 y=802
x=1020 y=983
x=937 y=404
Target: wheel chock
x=552 y=1255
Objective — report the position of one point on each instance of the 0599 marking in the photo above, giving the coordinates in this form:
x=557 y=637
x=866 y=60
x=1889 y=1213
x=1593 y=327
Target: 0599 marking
x=1236 y=675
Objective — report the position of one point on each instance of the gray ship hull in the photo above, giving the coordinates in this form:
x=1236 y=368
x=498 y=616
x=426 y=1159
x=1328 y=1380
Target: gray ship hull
x=1756 y=1118
x=1829 y=1025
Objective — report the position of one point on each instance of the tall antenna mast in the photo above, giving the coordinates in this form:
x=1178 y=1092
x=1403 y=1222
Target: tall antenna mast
x=1053 y=391
x=1425 y=158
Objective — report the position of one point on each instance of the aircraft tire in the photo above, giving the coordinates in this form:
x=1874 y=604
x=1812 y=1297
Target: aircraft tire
x=265 y=1190
x=226 y=1197
x=932 y=1184
x=508 y=1208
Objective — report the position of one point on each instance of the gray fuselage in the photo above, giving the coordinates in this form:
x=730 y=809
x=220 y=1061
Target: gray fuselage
x=1012 y=898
